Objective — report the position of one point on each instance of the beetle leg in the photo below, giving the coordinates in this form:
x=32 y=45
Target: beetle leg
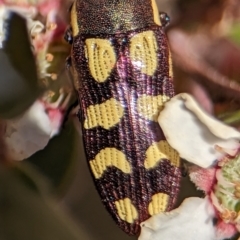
x=68 y=37
x=164 y=18
x=74 y=100
x=68 y=63
x=69 y=111
x=184 y=169
x=68 y=67
x=69 y=71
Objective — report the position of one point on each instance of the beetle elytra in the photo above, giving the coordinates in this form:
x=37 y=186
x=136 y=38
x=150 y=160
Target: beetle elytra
x=122 y=69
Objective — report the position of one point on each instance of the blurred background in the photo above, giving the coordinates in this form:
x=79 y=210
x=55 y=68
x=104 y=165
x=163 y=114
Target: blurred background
x=50 y=194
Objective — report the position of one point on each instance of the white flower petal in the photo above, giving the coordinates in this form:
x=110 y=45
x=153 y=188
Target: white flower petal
x=194 y=133
x=29 y=133
x=35 y=27
x=192 y=220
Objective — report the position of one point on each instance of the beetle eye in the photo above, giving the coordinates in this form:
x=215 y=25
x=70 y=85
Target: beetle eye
x=165 y=19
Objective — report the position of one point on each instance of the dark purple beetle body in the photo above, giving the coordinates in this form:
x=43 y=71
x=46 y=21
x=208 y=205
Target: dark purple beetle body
x=121 y=64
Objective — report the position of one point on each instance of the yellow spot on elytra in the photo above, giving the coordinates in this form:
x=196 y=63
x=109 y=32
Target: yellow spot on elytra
x=101 y=58
x=155 y=13
x=74 y=22
x=126 y=210
x=143 y=52
x=150 y=106
x=106 y=114
x=170 y=65
x=159 y=151
x=108 y=157
x=158 y=204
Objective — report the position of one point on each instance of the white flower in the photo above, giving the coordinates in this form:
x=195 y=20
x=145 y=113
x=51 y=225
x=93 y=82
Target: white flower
x=32 y=131
x=192 y=220
x=197 y=137
x=28 y=133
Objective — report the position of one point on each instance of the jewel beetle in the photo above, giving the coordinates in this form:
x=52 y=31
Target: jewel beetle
x=122 y=69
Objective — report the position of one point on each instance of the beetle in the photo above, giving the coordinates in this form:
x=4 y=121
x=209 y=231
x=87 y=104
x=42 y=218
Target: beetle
x=122 y=69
